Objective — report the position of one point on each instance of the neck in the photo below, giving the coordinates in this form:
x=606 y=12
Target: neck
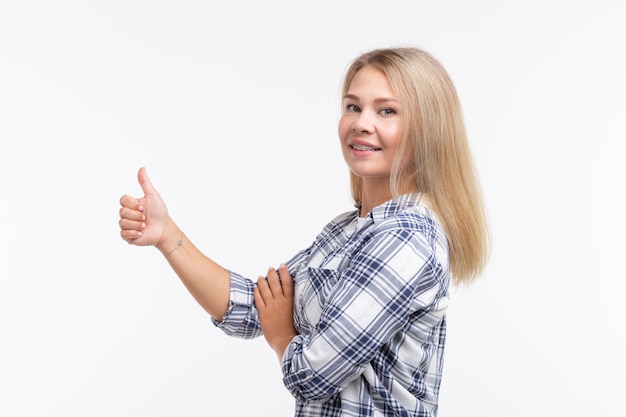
x=373 y=195
x=375 y=192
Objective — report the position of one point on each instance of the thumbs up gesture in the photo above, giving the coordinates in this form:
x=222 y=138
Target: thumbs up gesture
x=143 y=220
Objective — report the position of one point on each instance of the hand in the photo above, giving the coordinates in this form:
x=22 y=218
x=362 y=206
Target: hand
x=273 y=298
x=143 y=220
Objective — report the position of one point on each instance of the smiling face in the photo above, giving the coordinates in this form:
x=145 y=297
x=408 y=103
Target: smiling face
x=370 y=128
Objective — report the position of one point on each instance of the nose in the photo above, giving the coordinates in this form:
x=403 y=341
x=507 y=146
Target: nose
x=363 y=123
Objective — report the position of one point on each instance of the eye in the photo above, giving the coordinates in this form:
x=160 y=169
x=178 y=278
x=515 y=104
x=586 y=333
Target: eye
x=387 y=112
x=353 y=108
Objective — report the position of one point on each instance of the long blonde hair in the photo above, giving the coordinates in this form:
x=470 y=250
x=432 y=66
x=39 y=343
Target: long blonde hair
x=434 y=155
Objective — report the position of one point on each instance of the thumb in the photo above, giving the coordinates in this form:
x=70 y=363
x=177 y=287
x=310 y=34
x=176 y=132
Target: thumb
x=144 y=182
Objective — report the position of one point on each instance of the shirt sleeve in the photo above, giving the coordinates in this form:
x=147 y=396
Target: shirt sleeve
x=242 y=318
x=392 y=277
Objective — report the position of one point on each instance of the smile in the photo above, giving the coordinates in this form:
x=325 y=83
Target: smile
x=364 y=148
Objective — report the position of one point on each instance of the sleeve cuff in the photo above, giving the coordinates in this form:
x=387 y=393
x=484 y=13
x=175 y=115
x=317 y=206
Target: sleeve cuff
x=241 y=318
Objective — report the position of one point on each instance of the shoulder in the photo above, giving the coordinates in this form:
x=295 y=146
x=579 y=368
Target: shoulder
x=407 y=213
x=415 y=225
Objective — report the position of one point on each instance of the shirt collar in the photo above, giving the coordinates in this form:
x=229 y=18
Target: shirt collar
x=393 y=206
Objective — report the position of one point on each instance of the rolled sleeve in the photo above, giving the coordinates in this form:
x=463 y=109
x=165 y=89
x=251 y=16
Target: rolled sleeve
x=241 y=319
x=297 y=374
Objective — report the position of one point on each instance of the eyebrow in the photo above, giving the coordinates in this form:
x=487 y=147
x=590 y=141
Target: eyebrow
x=377 y=100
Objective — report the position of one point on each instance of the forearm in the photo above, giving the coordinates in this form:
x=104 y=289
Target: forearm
x=207 y=281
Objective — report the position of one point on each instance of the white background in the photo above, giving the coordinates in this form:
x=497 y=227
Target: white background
x=232 y=107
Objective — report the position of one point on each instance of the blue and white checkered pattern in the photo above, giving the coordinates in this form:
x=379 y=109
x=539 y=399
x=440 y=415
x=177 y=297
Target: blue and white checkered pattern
x=370 y=301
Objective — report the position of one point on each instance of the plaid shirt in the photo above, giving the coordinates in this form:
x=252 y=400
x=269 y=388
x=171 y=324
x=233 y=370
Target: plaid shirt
x=369 y=308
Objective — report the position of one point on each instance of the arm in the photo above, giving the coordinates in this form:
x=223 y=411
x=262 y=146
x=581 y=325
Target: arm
x=145 y=221
x=389 y=286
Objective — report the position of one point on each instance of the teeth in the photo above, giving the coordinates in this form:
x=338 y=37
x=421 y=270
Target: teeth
x=363 y=148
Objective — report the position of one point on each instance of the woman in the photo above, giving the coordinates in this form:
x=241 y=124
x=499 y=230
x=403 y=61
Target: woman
x=358 y=318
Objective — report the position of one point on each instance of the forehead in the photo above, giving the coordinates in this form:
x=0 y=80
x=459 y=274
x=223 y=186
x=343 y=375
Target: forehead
x=371 y=80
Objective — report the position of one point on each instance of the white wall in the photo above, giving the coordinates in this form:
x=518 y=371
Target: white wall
x=232 y=107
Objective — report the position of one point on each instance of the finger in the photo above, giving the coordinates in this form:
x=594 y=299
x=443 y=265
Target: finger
x=258 y=293
x=145 y=183
x=130 y=214
x=130 y=202
x=286 y=281
x=264 y=288
x=130 y=235
x=126 y=224
x=274 y=282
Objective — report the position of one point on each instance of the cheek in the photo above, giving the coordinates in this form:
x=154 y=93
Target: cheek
x=343 y=127
x=395 y=134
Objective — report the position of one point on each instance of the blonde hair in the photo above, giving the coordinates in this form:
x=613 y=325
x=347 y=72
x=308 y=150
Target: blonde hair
x=434 y=155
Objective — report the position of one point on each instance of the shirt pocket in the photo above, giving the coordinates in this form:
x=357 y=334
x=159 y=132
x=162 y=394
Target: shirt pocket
x=313 y=288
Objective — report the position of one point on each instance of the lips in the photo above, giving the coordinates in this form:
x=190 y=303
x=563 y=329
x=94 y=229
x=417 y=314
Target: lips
x=358 y=147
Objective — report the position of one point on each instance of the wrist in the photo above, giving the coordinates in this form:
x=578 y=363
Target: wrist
x=170 y=239
x=179 y=243
x=280 y=344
